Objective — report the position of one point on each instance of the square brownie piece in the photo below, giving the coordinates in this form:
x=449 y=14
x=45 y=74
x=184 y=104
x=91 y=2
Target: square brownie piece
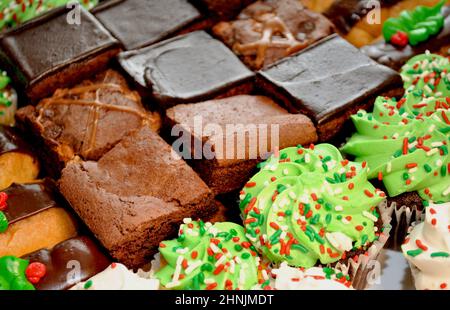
x=53 y=51
x=227 y=137
x=268 y=30
x=187 y=68
x=138 y=23
x=136 y=195
x=329 y=81
x=86 y=120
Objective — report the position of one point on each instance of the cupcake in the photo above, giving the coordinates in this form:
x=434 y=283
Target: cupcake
x=17 y=12
x=427 y=249
x=119 y=277
x=8 y=100
x=310 y=207
x=208 y=257
x=405 y=142
x=289 y=278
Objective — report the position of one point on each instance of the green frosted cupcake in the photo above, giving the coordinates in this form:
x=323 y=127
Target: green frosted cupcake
x=208 y=257
x=8 y=100
x=309 y=206
x=14 y=13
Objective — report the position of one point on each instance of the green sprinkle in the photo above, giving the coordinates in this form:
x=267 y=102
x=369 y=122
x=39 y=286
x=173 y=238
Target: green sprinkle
x=315 y=219
x=275 y=235
x=427 y=168
x=328 y=206
x=440 y=254
x=238 y=247
x=181 y=238
x=330 y=180
x=284 y=156
x=414 y=253
x=88 y=284
x=443 y=170
x=245 y=255
x=299 y=247
x=339 y=275
x=207 y=267
x=281 y=188
x=328 y=218
x=405 y=176
x=364 y=239
x=201 y=277
x=288 y=213
x=4 y=223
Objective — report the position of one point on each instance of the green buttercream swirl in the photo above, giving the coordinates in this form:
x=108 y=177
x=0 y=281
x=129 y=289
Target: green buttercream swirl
x=216 y=257
x=419 y=24
x=12 y=274
x=406 y=142
x=299 y=202
x=17 y=13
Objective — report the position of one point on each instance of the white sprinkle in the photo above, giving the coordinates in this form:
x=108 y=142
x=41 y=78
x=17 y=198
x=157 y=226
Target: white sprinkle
x=182 y=251
x=292 y=195
x=307 y=158
x=439 y=162
x=176 y=274
x=209 y=281
x=193 y=266
x=214 y=248
x=265 y=275
x=370 y=216
x=412 y=170
x=221 y=260
x=432 y=152
x=338 y=208
x=447 y=191
x=432 y=128
x=437 y=144
x=187 y=220
x=389 y=167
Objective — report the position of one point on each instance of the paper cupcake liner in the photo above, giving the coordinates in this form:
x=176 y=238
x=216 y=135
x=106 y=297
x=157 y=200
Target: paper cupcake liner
x=402 y=218
x=360 y=268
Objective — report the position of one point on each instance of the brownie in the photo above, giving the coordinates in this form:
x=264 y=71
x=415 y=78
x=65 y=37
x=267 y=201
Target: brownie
x=346 y=13
x=53 y=51
x=138 y=23
x=223 y=9
x=70 y=262
x=329 y=81
x=17 y=162
x=395 y=57
x=269 y=30
x=136 y=196
x=187 y=68
x=250 y=127
x=86 y=121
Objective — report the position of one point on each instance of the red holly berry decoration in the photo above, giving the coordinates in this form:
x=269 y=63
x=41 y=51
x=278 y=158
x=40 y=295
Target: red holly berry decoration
x=400 y=39
x=3 y=199
x=35 y=272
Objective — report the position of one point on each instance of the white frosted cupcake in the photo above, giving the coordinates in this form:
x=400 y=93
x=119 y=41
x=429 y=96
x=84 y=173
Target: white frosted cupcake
x=427 y=248
x=119 y=277
x=290 y=278
x=8 y=100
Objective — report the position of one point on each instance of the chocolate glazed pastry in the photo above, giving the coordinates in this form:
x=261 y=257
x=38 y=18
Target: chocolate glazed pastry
x=68 y=263
x=135 y=196
x=135 y=29
x=328 y=82
x=394 y=57
x=346 y=13
x=189 y=68
x=37 y=217
x=268 y=30
x=86 y=121
x=17 y=163
x=53 y=51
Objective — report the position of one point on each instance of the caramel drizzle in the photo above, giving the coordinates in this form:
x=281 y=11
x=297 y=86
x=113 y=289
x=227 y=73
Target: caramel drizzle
x=272 y=25
x=95 y=107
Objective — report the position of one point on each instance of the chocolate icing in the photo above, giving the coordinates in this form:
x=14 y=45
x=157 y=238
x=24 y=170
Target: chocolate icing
x=138 y=23
x=48 y=44
x=64 y=259
x=391 y=56
x=328 y=78
x=10 y=141
x=188 y=68
x=29 y=199
x=346 y=13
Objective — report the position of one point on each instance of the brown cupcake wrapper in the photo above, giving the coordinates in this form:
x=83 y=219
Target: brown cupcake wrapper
x=360 y=269
x=402 y=218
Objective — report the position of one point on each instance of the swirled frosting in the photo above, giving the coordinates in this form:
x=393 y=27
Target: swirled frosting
x=315 y=278
x=118 y=277
x=310 y=204
x=405 y=142
x=427 y=249
x=206 y=256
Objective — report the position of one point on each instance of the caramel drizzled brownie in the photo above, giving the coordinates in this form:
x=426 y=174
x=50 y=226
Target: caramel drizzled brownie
x=86 y=121
x=136 y=195
x=269 y=30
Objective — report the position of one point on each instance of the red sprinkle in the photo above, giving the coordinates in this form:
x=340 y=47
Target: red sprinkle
x=405 y=146
x=411 y=165
x=194 y=254
x=274 y=225
x=211 y=286
x=219 y=269
x=380 y=176
x=359 y=228
x=351 y=186
x=368 y=193
x=420 y=245
x=443 y=286
x=250 y=184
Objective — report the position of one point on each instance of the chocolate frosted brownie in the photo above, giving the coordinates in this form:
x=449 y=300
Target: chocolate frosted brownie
x=395 y=57
x=33 y=216
x=136 y=195
x=56 y=50
x=269 y=30
x=188 y=68
x=227 y=137
x=17 y=162
x=86 y=121
x=329 y=81
x=138 y=23
x=68 y=263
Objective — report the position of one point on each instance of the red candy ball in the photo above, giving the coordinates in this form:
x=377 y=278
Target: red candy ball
x=400 y=39
x=3 y=199
x=35 y=272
